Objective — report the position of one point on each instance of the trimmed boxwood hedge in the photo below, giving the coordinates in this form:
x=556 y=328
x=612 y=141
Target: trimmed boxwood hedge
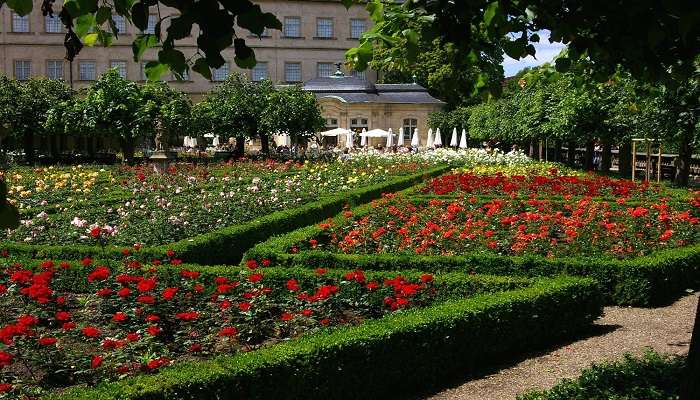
x=651 y=376
x=227 y=245
x=431 y=345
x=643 y=281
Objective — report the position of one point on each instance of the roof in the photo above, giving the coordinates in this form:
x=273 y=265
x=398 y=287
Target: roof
x=349 y=89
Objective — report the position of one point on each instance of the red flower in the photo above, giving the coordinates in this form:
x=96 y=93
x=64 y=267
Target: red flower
x=153 y=330
x=244 y=306
x=157 y=363
x=325 y=321
x=251 y=264
x=68 y=326
x=5 y=387
x=372 y=285
x=425 y=278
x=170 y=253
x=95 y=232
x=152 y=318
x=126 y=252
x=5 y=359
x=47 y=341
x=124 y=292
x=187 y=316
x=145 y=299
x=313 y=243
x=133 y=337
x=62 y=316
x=286 y=316
x=64 y=265
x=105 y=292
x=228 y=331
x=175 y=261
x=195 y=348
x=255 y=277
x=146 y=285
x=265 y=262
x=169 y=293
x=307 y=312
x=96 y=362
x=91 y=331
x=666 y=235
x=320 y=271
x=119 y=317
x=293 y=285
x=86 y=261
x=189 y=274
x=98 y=274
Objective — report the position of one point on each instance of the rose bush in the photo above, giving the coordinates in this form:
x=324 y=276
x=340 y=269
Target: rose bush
x=130 y=319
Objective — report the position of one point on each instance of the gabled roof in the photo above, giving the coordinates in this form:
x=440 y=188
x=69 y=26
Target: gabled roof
x=350 y=89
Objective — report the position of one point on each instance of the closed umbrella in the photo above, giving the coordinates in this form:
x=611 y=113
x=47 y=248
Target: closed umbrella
x=363 y=140
x=453 y=141
x=429 y=144
x=438 y=138
x=463 y=140
x=348 y=142
x=215 y=142
x=415 y=140
x=193 y=142
x=390 y=139
x=186 y=142
x=400 y=141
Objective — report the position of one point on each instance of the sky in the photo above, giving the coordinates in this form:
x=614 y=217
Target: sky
x=545 y=52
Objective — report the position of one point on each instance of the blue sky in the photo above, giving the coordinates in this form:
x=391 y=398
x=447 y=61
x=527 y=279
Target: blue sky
x=545 y=52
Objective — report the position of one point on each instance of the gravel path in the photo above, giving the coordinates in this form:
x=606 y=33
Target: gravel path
x=620 y=330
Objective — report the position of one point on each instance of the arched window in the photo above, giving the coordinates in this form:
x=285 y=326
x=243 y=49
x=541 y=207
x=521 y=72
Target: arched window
x=409 y=125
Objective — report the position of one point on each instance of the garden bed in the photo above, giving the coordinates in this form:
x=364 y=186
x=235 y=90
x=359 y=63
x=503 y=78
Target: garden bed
x=221 y=243
x=644 y=251
x=454 y=323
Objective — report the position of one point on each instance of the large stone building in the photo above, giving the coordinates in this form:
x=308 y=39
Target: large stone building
x=316 y=35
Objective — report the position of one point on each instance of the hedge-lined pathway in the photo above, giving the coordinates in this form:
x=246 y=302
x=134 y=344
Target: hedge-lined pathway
x=621 y=330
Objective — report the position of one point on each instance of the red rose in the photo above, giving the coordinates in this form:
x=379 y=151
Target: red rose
x=372 y=285
x=153 y=330
x=255 y=277
x=5 y=359
x=195 y=348
x=95 y=232
x=175 y=261
x=293 y=285
x=96 y=362
x=170 y=253
x=47 y=341
x=265 y=262
x=5 y=387
x=98 y=274
x=187 y=316
x=119 y=317
x=228 y=331
x=320 y=271
x=146 y=285
x=124 y=292
x=286 y=316
x=68 y=326
x=91 y=331
x=251 y=264
x=189 y=274
x=169 y=293
x=146 y=299
x=62 y=316
x=133 y=337
x=64 y=265
x=244 y=306
x=425 y=278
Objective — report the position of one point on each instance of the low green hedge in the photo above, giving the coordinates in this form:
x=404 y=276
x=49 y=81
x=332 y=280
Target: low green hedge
x=400 y=354
x=651 y=376
x=227 y=245
x=643 y=281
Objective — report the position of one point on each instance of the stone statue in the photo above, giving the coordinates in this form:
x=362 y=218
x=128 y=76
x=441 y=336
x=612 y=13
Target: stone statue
x=161 y=143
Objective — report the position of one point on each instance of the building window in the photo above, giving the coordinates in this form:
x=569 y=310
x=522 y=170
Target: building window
x=324 y=28
x=20 y=24
x=359 y=74
x=259 y=71
x=151 y=28
x=357 y=124
x=292 y=72
x=53 y=24
x=324 y=70
x=120 y=65
x=54 y=69
x=409 y=126
x=120 y=23
x=292 y=27
x=357 y=28
x=221 y=73
x=23 y=69
x=87 y=71
x=331 y=123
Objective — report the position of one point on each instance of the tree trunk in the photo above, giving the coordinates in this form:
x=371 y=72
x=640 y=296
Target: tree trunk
x=29 y=147
x=240 y=146
x=264 y=144
x=556 y=156
x=534 y=153
x=625 y=159
x=685 y=154
x=690 y=386
x=55 y=147
x=590 y=152
x=606 y=159
x=571 y=154
x=127 y=149
x=91 y=147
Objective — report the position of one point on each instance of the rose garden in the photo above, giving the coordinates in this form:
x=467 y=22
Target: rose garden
x=260 y=241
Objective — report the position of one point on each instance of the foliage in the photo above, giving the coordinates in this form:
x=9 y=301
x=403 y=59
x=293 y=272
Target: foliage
x=650 y=376
x=595 y=32
x=501 y=323
x=294 y=111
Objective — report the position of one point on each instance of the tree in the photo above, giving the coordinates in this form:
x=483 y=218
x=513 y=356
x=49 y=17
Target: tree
x=172 y=107
x=294 y=111
x=24 y=106
x=605 y=33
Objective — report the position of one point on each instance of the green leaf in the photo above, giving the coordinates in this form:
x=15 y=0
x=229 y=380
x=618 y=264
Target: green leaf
x=141 y=43
x=514 y=49
x=173 y=58
x=180 y=27
x=562 y=64
x=347 y=3
x=375 y=9
x=535 y=38
x=123 y=7
x=154 y=70
x=202 y=68
x=245 y=58
x=87 y=6
x=90 y=39
x=9 y=216
x=21 y=7
x=139 y=15
x=491 y=12
x=103 y=15
x=83 y=24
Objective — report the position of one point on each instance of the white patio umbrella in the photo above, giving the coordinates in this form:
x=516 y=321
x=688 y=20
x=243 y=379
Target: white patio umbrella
x=375 y=133
x=463 y=140
x=215 y=142
x=438 y=138
x=186 y=142
x=193 y=142
x=363 y=140
x=348 y=139
x=400 y=141
x=415 y=140
x=453 y=141
x=430 y=144
x=390 y=139
x=335 y=132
